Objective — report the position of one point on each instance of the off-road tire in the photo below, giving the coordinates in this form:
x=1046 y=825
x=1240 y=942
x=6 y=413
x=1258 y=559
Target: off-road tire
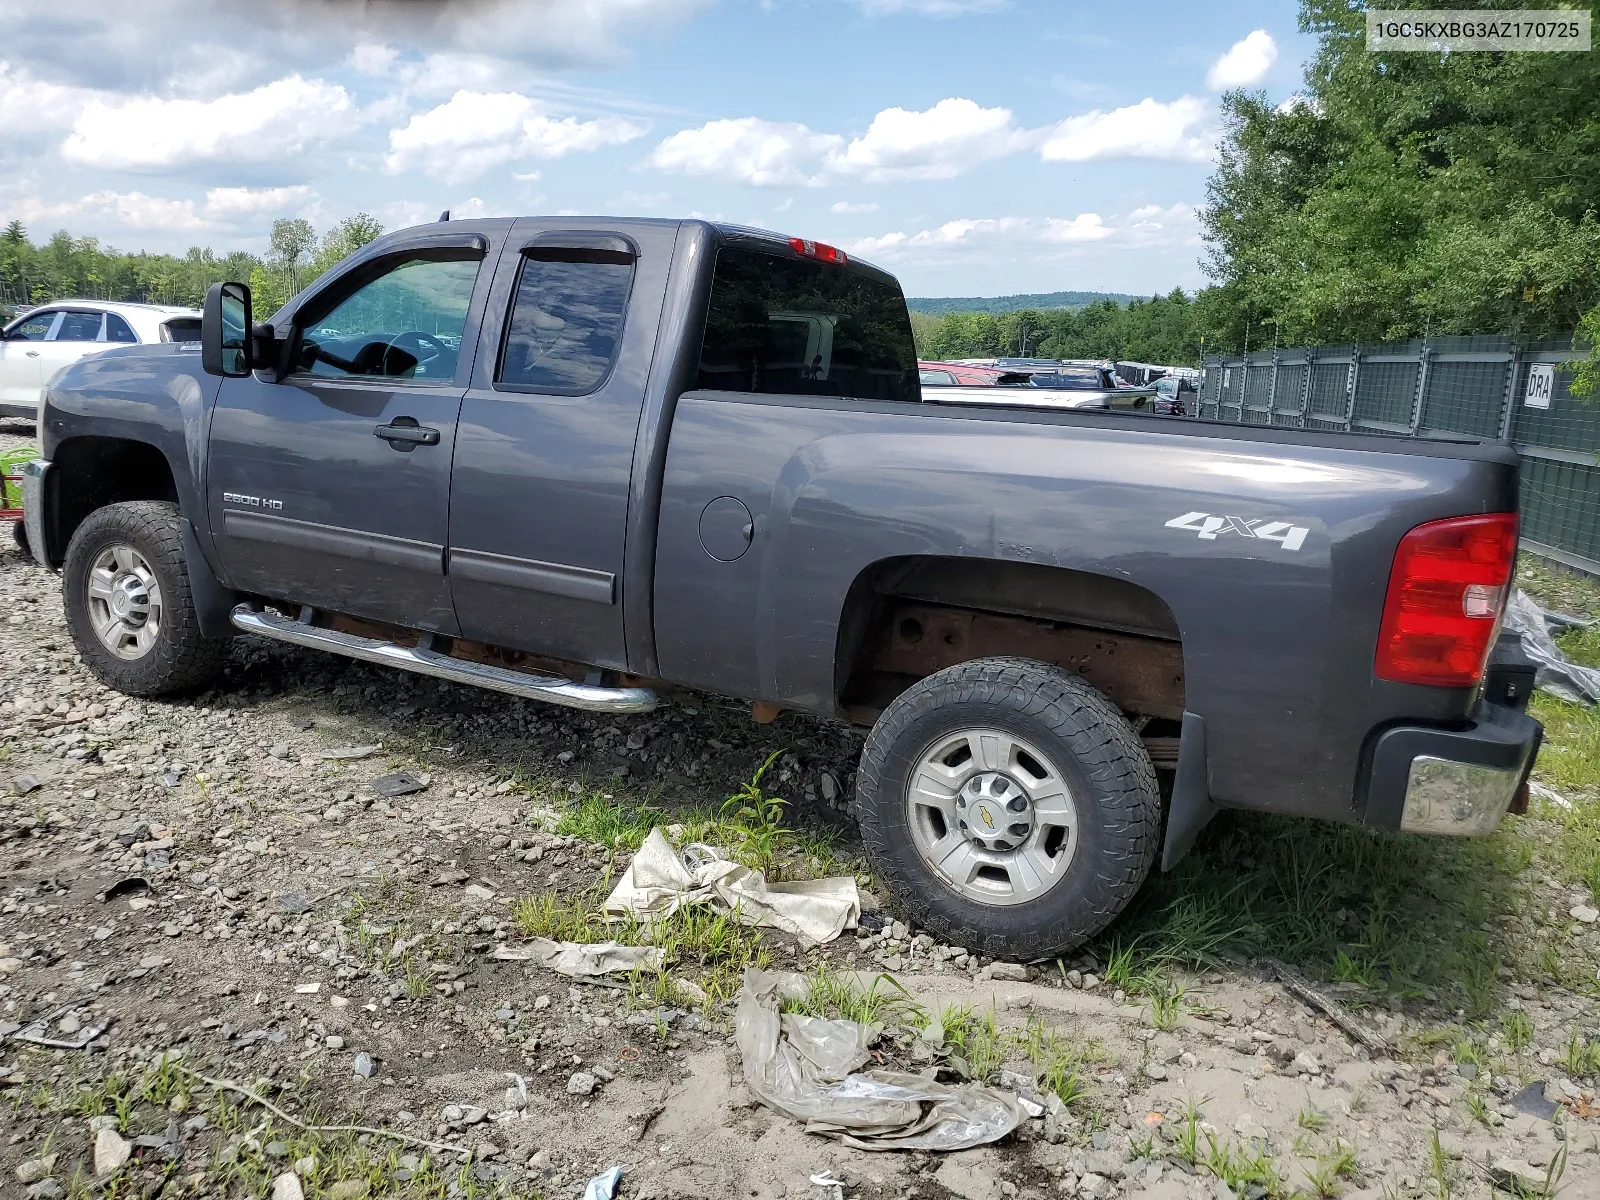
x=1106 y=766
x=181 y=658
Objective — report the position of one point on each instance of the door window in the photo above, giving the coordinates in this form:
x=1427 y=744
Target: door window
x=118 y=330
x=937 y=379
x=781 y=324
x=34 y=328
x=566 y=321
x=405 y=324
x=78 y=327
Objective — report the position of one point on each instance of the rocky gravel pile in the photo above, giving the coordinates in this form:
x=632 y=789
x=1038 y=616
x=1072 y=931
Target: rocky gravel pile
x=287 y=892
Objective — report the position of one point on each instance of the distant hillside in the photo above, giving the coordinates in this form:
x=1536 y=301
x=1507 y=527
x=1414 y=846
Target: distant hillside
x=938 y=306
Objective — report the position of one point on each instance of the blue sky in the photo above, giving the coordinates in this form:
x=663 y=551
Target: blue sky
x=974 y=147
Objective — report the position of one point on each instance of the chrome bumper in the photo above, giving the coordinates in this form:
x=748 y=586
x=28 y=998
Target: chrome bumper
x=33 y=474
x=1457 y=798
x=1452 y=781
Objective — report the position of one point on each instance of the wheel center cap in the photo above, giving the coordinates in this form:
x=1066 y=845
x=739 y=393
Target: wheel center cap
x=994 y=811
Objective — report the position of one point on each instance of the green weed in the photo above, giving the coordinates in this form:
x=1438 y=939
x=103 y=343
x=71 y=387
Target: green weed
x=1516 y=1029
x=838 y=996
x=1440 y=1164
x=753 y=820
x=1582 y=1056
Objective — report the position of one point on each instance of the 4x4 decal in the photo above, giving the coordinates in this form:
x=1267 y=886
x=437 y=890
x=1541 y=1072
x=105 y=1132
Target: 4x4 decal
x=1209 y=528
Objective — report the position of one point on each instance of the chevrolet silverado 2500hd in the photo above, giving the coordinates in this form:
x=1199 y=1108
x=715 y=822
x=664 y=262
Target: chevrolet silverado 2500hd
x=587 y=459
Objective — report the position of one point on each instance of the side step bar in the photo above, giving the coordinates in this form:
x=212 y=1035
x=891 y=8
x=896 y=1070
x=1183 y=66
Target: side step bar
x=423 y=661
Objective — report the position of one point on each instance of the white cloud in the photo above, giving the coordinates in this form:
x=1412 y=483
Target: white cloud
x=899 y=144
x=931 y=8
x=938 y=143
x=474 y=131
x=1246 y=62
x=228 y=209
x=242 y=203
x=271 y=123
x=991 y=239
x=373 y=58
x=750 y=150
x=30 y=103
x=971 y=232
x=1178 y=130
x=843 y=208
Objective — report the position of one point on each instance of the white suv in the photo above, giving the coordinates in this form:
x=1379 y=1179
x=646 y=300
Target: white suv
x=38 y=344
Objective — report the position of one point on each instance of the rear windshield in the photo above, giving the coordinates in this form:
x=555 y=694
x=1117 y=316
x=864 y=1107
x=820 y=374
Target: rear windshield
x=183 y=329
x=785 y=325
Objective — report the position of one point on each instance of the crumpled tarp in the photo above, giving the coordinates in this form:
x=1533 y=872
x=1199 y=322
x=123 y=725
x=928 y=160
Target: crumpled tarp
x=580 y=960
x=604 y=1185
x=1554 y=671
x=659 y=881
x=807 y=1069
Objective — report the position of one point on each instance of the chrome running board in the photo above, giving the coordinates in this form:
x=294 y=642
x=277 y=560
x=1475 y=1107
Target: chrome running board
x=423 y=661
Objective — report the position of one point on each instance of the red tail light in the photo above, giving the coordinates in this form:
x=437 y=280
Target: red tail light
x=1446 y=593
x=820 y=251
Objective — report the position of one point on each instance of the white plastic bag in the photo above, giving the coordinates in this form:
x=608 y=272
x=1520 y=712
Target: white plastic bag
x=807 y=1068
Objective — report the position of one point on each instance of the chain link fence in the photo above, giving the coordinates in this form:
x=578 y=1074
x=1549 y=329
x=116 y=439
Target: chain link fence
x=1483 y=386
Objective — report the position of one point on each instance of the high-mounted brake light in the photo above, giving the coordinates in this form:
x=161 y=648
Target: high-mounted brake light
x=1447 y=590
x=820 y=251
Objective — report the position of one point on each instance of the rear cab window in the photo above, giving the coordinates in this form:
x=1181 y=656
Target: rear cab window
x=781 y=324
x=179 y=329
x=566 y=319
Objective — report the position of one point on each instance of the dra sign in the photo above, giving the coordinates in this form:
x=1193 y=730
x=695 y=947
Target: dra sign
x=1541 y=382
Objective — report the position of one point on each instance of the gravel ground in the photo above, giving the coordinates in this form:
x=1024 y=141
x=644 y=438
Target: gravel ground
x=204 y=890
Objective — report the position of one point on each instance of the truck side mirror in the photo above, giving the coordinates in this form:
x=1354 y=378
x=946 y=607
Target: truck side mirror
x=225 y=330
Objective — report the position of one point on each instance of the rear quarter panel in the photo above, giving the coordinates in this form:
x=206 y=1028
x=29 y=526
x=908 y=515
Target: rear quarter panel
x=1278 y=643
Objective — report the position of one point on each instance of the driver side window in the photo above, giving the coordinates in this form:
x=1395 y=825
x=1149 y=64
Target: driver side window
x=405 y=324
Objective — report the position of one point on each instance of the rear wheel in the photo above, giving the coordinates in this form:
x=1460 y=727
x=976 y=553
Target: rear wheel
x=1008 y=806
x=128 y=603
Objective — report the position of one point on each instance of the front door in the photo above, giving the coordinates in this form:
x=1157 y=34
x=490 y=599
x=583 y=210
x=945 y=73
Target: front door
x=21 y=359
x=539 y=502
x=332 y=487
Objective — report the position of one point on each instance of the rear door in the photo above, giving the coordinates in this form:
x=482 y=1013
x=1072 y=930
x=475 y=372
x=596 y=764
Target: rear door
x=331 y=488
x=21 y=366
x=544 y=456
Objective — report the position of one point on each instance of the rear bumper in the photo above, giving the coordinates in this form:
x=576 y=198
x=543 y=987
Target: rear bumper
x=1452 y=781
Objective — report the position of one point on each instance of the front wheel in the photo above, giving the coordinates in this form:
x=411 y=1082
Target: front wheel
x=1008 y=807
x=128 y=603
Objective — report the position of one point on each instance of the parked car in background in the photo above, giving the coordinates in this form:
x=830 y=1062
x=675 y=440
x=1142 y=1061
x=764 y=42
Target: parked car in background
x=36 y=345
x=1175 y=397
x=950 y=374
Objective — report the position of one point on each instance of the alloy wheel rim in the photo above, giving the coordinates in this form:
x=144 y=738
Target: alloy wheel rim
x=124 y=602
x=992 y=816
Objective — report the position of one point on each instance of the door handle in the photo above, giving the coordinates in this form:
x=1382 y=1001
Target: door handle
x=405 y=433
x=31 y=353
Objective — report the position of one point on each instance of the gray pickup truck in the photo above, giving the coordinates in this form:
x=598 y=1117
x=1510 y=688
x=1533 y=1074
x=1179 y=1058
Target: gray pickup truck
x=590 y=460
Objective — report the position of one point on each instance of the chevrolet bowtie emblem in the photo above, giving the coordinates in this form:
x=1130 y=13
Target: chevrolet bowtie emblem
x=983 y=812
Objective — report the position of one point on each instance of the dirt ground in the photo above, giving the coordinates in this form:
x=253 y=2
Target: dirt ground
x=210 y=890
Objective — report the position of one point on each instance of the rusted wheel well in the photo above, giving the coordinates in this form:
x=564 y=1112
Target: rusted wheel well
x=91 y=472
x=906 y=618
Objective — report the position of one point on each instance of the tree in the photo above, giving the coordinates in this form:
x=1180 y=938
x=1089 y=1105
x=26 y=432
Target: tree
x=1406 y=194
x=292 y=240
